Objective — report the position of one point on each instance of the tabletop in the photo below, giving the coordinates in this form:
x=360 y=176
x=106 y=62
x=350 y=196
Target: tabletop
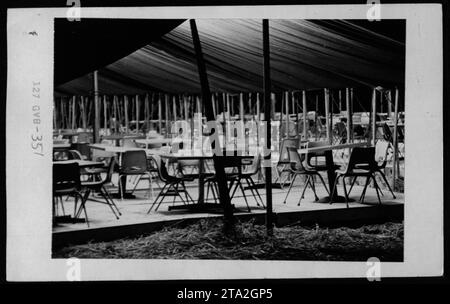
x=333 y=147
x=81 y=163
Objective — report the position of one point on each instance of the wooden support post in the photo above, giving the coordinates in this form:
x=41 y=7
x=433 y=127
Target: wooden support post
x=373 y=110
x=258 y=108
x=137 y=113
x=148 y=107
x=174 y=108
x=349 y=115
x=166 y=108
x=213 y=97
x=286 y=99
x=186 y=108
x=296 y=112
x=160 y=113
x=389 y=103
x=105 y=113
x=305 y=114
x=218 y=161
x=331 y=115
x=267 y=116
x=241 y=106
x=125 y=110
x=395 y=143
x=340 y=101
x=327 y=115
x=74 y=100
x=96 y=109
x=316 y=116
x=83 y=113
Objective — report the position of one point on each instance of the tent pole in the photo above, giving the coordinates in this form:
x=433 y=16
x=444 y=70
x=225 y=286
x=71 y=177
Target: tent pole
x=316 y=116
x=96 y=109
x=373 y=116
x=105 y=112
x=305 y=114
x=280 y=131
x=125 y=109
x=74 y=99
x=267 y=115
x=160 y=113
x=213 y=97
x=166 y=108
x=206 y=99
x=174 y=107
x=389 y=102
x=331 y=115
x=297 y=122
x=146 y=113
x=327 y=115
x=241 y=106
x=286 y=99
x=395 y=160
x=349 y=114
x=258 y=108
x=83 y=112
x=186 y=109
x=340 y=101
x=137 y=113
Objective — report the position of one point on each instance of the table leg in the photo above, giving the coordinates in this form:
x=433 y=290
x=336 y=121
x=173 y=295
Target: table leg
x=201 y=182
x=331 y=180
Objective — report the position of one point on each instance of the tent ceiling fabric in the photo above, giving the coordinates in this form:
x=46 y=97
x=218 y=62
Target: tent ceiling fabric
x=304 y=55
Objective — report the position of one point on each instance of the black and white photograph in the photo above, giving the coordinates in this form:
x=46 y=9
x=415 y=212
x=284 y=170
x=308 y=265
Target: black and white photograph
x=231 y=137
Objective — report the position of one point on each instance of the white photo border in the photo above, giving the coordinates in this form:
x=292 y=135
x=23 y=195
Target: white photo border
x=28 y=175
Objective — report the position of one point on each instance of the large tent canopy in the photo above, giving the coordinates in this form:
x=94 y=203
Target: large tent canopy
x=305 y=55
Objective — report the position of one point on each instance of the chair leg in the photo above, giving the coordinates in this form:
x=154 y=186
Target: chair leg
x=376 y=188
x=290 y=187
x=256 y=191
x=304 y=189
x=385 y=180
x=102 y=192
x=112 y=201
x=243 y=193
x=345 y=191
x=252 y=191
x=323 y=182
x=157 y=197
x=351 y=186
x=313 y=187
x=363 y=194
x=186 y=193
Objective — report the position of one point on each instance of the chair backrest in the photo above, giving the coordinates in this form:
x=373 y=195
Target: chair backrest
x=110 y=172
x=252 y=166
x=381 y=152
x=66 y=177
x=134 y=162
x=83 y=148
x=311 y=155
x=296 y=159
x=161 y=168
x=387 y=133
x=285 y=143
x=362 y=156
x=75 y=154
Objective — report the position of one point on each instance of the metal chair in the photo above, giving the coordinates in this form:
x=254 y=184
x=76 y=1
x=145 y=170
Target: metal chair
x=134 y=163
x=359 y=157
x=99 y=187
x=283 y=164
x=381 y=159
x=171 y=183
x=297 y=168
x=247 y=174
x=66 y=182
